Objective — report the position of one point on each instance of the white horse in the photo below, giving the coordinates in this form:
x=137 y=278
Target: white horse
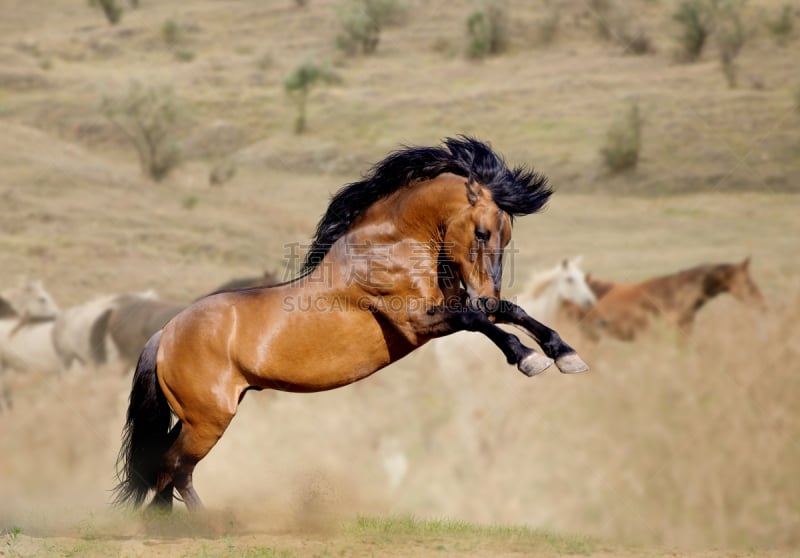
x=80 y=332
x=26 y=338
x=29 y=299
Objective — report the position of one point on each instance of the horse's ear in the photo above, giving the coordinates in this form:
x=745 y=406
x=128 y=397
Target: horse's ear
x=565 y=263
x=746 y=263
x=473 y=191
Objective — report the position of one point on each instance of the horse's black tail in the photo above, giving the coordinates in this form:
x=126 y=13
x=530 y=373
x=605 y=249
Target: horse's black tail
x=146 y=435
x=98 y=337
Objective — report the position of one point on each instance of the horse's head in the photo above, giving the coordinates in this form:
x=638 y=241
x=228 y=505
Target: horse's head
x=738 y=281
x=474 y=241
x=571 y=284
x=32 y=300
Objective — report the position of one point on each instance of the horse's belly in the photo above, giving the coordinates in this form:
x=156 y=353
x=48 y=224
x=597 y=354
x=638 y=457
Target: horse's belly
x=319 y=353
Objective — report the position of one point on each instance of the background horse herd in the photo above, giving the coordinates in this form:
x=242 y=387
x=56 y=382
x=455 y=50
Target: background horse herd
x=39 y=338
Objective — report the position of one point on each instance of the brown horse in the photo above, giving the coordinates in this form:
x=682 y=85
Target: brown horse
x=411 y=252
x=624 y=310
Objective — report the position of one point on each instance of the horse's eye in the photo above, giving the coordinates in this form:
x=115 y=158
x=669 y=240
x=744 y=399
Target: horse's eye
x=482 y=236
x=570 y=280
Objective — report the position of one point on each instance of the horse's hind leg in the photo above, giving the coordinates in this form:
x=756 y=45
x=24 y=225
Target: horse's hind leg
x=194 y=442
x=165 y=485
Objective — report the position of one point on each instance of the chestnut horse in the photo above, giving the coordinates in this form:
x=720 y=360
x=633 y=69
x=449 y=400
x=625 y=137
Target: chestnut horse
x=411 y=252
x=624 y=310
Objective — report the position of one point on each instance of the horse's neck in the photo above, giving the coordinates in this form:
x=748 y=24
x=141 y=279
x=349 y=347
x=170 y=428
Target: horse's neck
x=541 y=298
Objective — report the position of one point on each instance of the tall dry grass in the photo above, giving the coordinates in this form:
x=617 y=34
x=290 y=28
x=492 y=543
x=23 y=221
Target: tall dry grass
x=673 y=441
x=681 y=441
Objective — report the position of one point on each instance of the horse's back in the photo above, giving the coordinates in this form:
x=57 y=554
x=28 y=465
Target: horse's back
x=28 y=347
x=135 y=319
x=267 y=338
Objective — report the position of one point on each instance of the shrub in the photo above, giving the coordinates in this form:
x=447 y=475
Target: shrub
x=601 y=13
x=362 y=22
x=147 y=117
x=624 y=141
x=171 y=32
x=637 y=42
x=696 y=20
x=547 y=28
x=110 y=9
x=222 y=172
x=299 y=84
x=782 y=26
x=487 y=30
x=731 y=36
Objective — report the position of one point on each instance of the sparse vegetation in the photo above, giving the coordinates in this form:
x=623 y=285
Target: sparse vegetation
x=11 y=537
x=299 y=84
x=547 y=28
x=782 y=25
x=147 y=117
x=731 y=36
x=110 y=9
x=171 y=32
x=636 y=42
x=487 y=29
x=696 y=19
x=624 y=141
x=184 y=55
x=602 y=14
x=362 y=22
x=222 y=172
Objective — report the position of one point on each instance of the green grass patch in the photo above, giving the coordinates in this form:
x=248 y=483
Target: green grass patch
x=381 y=529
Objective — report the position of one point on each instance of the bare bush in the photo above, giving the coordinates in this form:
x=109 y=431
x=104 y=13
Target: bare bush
x=147 y=117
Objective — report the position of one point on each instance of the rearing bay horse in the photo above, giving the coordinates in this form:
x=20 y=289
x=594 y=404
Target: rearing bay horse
x=410 y=253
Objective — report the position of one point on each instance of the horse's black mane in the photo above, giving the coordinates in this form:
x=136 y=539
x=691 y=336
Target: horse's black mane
x=517 y=191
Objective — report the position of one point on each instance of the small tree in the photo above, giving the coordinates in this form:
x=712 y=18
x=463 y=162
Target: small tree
x=147 y=117
x=299 y=84
x=624 y=141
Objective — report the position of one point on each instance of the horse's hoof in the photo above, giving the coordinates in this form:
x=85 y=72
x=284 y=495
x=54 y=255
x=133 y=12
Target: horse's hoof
x=571 y=364
x=534 y=363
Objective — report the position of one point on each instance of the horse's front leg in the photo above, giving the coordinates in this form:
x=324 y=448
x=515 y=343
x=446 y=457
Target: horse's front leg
x=566 y=357
x=450 y=320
